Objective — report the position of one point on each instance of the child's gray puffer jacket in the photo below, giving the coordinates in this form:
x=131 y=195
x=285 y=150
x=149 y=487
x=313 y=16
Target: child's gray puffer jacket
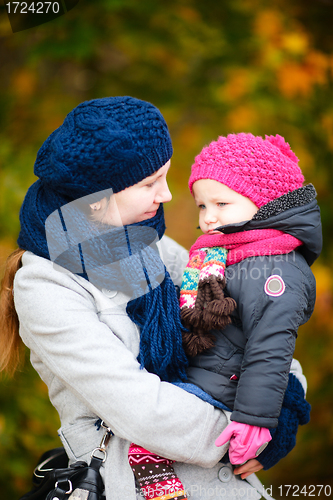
x=248 y=367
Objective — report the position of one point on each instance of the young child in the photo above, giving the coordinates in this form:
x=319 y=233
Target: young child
x=248 y=284
x=246 y=289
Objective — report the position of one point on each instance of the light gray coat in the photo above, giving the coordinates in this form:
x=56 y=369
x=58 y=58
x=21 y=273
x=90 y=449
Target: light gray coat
x=84 y=347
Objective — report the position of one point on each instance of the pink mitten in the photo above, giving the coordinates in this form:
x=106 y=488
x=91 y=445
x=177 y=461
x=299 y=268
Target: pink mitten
x=246 y=441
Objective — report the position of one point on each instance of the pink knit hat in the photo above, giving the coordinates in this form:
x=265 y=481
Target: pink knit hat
x=260 y=169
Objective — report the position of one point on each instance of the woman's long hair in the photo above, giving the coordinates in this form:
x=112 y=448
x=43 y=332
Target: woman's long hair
x=10 y=341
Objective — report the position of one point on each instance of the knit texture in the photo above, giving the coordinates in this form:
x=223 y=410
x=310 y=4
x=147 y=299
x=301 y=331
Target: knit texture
x=295 y=411
x=205 y=263
x=108 y=144
x=155 y=475
x=247 y=244
x=200 y=393
x=260 y=169
x=203 y=304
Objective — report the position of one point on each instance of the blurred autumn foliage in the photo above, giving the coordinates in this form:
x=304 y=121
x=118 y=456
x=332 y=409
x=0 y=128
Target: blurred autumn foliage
x=212 y=68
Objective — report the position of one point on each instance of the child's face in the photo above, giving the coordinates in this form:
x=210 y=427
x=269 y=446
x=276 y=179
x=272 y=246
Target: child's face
x=219 y=205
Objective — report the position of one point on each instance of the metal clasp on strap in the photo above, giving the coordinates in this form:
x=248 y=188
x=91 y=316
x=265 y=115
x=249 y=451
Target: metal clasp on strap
x=70 y=487
x=105 y=441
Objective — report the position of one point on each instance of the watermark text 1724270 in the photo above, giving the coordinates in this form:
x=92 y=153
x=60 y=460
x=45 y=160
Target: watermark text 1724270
x=24 y=15
x=312 y=490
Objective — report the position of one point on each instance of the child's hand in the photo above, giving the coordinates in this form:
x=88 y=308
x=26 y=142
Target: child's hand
x=246 y=441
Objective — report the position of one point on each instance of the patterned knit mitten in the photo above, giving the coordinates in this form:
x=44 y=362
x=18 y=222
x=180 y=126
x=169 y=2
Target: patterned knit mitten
x=155 y=475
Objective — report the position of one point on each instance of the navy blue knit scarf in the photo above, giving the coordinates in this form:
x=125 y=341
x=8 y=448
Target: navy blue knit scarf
x=116 y=258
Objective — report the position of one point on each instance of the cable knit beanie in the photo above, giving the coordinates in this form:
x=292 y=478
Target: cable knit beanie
x=113 y=142
x=260 y=169
x=107 y=143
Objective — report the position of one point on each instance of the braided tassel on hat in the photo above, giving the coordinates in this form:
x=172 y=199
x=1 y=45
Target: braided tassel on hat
x=203 y=304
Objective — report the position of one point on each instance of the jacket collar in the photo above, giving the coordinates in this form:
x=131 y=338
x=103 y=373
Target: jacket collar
x=296 y=213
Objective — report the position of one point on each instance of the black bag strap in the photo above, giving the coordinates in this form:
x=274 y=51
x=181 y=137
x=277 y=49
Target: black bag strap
x=52 y=478
x=52 y=459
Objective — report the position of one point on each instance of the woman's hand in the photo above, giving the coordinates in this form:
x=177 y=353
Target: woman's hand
x=245 y=470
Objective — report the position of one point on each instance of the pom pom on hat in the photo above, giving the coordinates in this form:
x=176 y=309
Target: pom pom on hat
x=284 y=147
x=260 y=169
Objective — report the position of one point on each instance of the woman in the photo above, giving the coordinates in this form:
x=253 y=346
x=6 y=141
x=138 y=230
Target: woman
x=97 y=307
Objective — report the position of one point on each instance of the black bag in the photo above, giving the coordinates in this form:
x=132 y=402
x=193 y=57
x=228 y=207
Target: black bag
x=53 y=479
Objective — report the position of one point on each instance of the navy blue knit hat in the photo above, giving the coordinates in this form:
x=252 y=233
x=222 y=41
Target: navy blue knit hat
x=113 y=142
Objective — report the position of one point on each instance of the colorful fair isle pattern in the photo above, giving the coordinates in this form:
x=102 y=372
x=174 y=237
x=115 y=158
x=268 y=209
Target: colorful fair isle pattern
x=204 y=263
x=155 y=474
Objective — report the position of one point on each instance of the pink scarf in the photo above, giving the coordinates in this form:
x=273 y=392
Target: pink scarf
x=203 y=304
x=249 y=244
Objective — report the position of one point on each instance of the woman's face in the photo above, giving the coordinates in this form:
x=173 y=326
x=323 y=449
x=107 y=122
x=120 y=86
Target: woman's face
x=135 y=203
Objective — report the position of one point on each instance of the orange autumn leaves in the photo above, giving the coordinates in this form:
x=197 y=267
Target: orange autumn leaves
x=287 y=49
